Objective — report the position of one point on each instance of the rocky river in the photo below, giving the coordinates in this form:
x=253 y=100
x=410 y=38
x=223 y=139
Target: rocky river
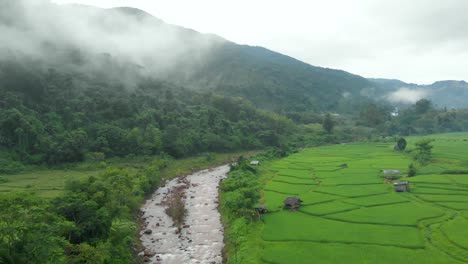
x=200 y=238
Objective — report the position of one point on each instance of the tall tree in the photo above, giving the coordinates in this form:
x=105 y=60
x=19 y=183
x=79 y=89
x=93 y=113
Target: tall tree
x=328 y=124
x=424 y=151
x=423 y=106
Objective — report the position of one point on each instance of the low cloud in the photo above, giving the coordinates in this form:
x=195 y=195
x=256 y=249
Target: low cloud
x=407 y=95
x=60 y=34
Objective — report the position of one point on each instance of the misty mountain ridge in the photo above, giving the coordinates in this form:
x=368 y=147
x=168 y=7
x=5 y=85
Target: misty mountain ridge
x=447 y=93
x=126 y=45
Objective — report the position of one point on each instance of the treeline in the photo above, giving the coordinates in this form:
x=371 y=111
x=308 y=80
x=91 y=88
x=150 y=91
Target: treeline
x=421 y=118
x=239 y=195
x=52 y=115
x=92 y=222
x=240 y=205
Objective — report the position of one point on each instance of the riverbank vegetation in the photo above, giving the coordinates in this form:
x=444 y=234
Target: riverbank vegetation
x=92 y=217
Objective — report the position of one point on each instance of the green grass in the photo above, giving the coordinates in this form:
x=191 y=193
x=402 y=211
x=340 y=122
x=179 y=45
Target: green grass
x=316 y=252
x=297 y=226
x=455 y=206
x=406 y=213
x=350 y=214
x=444 y=198
x=384 y=199
x=327 y=208
x=456 y=231
x=45 y=183
x=50 y=182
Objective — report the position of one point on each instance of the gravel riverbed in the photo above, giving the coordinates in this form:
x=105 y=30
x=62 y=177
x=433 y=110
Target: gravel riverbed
x=200 y=240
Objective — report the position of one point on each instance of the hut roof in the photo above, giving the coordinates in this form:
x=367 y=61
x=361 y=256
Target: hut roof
x=400 y=183
x=292 y=200
x=254 y=162
x=391 y=172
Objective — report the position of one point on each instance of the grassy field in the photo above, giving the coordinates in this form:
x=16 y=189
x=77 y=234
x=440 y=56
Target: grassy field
x=50 y=182
x=351 y=214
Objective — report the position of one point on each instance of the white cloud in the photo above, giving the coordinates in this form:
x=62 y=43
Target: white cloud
x=418 y=41
x=407 y=95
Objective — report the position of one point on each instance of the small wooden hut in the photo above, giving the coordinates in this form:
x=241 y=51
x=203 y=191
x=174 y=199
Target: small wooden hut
x=401 y=186
x=255 y=162
x=391 y=174
x=292 y=203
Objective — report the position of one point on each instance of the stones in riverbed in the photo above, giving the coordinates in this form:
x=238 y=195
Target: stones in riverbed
x=193 y=240
x=148 y=231
x=149 y=253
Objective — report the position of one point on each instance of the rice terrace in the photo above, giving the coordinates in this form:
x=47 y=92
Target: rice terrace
x=350 y=212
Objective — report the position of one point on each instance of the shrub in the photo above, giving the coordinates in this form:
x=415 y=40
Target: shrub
x=401 y=144
x=96 y=156
x=10 y=167
x=411 y=170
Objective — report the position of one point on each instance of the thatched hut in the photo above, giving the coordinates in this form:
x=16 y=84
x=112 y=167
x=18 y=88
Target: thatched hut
x=391 y=174
x=401 y=186
x=292 y=203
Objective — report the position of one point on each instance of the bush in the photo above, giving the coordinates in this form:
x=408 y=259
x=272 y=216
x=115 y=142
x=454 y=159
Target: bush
x=401 y=144
x=411 y=170
x=95 y=156
x=10 y=167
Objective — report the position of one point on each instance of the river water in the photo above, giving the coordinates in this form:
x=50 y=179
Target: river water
x=201 y=238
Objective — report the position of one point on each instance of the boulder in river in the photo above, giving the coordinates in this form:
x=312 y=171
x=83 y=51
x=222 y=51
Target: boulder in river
x=148 y=231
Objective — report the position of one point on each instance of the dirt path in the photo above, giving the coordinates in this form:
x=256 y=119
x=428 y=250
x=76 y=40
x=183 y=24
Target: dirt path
x=201 y=237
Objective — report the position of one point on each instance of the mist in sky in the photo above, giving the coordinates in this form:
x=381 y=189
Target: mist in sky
x=96 y=39
x=418 y=41
x=407 y=95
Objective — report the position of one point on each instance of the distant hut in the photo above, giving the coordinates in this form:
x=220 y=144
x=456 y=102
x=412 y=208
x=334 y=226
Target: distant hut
x=292 y=203
x=255 y=162
x=391 y=174
x=261 y=209
x=401 y=186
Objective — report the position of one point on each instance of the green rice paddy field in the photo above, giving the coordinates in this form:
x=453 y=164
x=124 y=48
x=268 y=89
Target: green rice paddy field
x=350 y=214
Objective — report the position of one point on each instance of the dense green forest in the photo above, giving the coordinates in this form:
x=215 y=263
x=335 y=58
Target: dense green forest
x=52 y=116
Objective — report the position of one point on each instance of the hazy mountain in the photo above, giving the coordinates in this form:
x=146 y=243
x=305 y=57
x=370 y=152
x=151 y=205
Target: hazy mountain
x=125 y=45
x=450 y=94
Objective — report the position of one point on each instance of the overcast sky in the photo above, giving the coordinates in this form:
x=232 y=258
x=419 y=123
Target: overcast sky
x=419 y=41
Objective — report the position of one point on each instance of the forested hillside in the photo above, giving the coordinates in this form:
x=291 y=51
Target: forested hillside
x=198 y=61
x=52 y=115
x=449 y=94
x=277 y=82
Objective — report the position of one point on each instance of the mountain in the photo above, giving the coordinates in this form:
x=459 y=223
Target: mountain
x=274 y=81
x=126 y=44
x=450 y=94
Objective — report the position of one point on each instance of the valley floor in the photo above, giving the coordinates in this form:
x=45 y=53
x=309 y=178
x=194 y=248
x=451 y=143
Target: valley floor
x=351 y=214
